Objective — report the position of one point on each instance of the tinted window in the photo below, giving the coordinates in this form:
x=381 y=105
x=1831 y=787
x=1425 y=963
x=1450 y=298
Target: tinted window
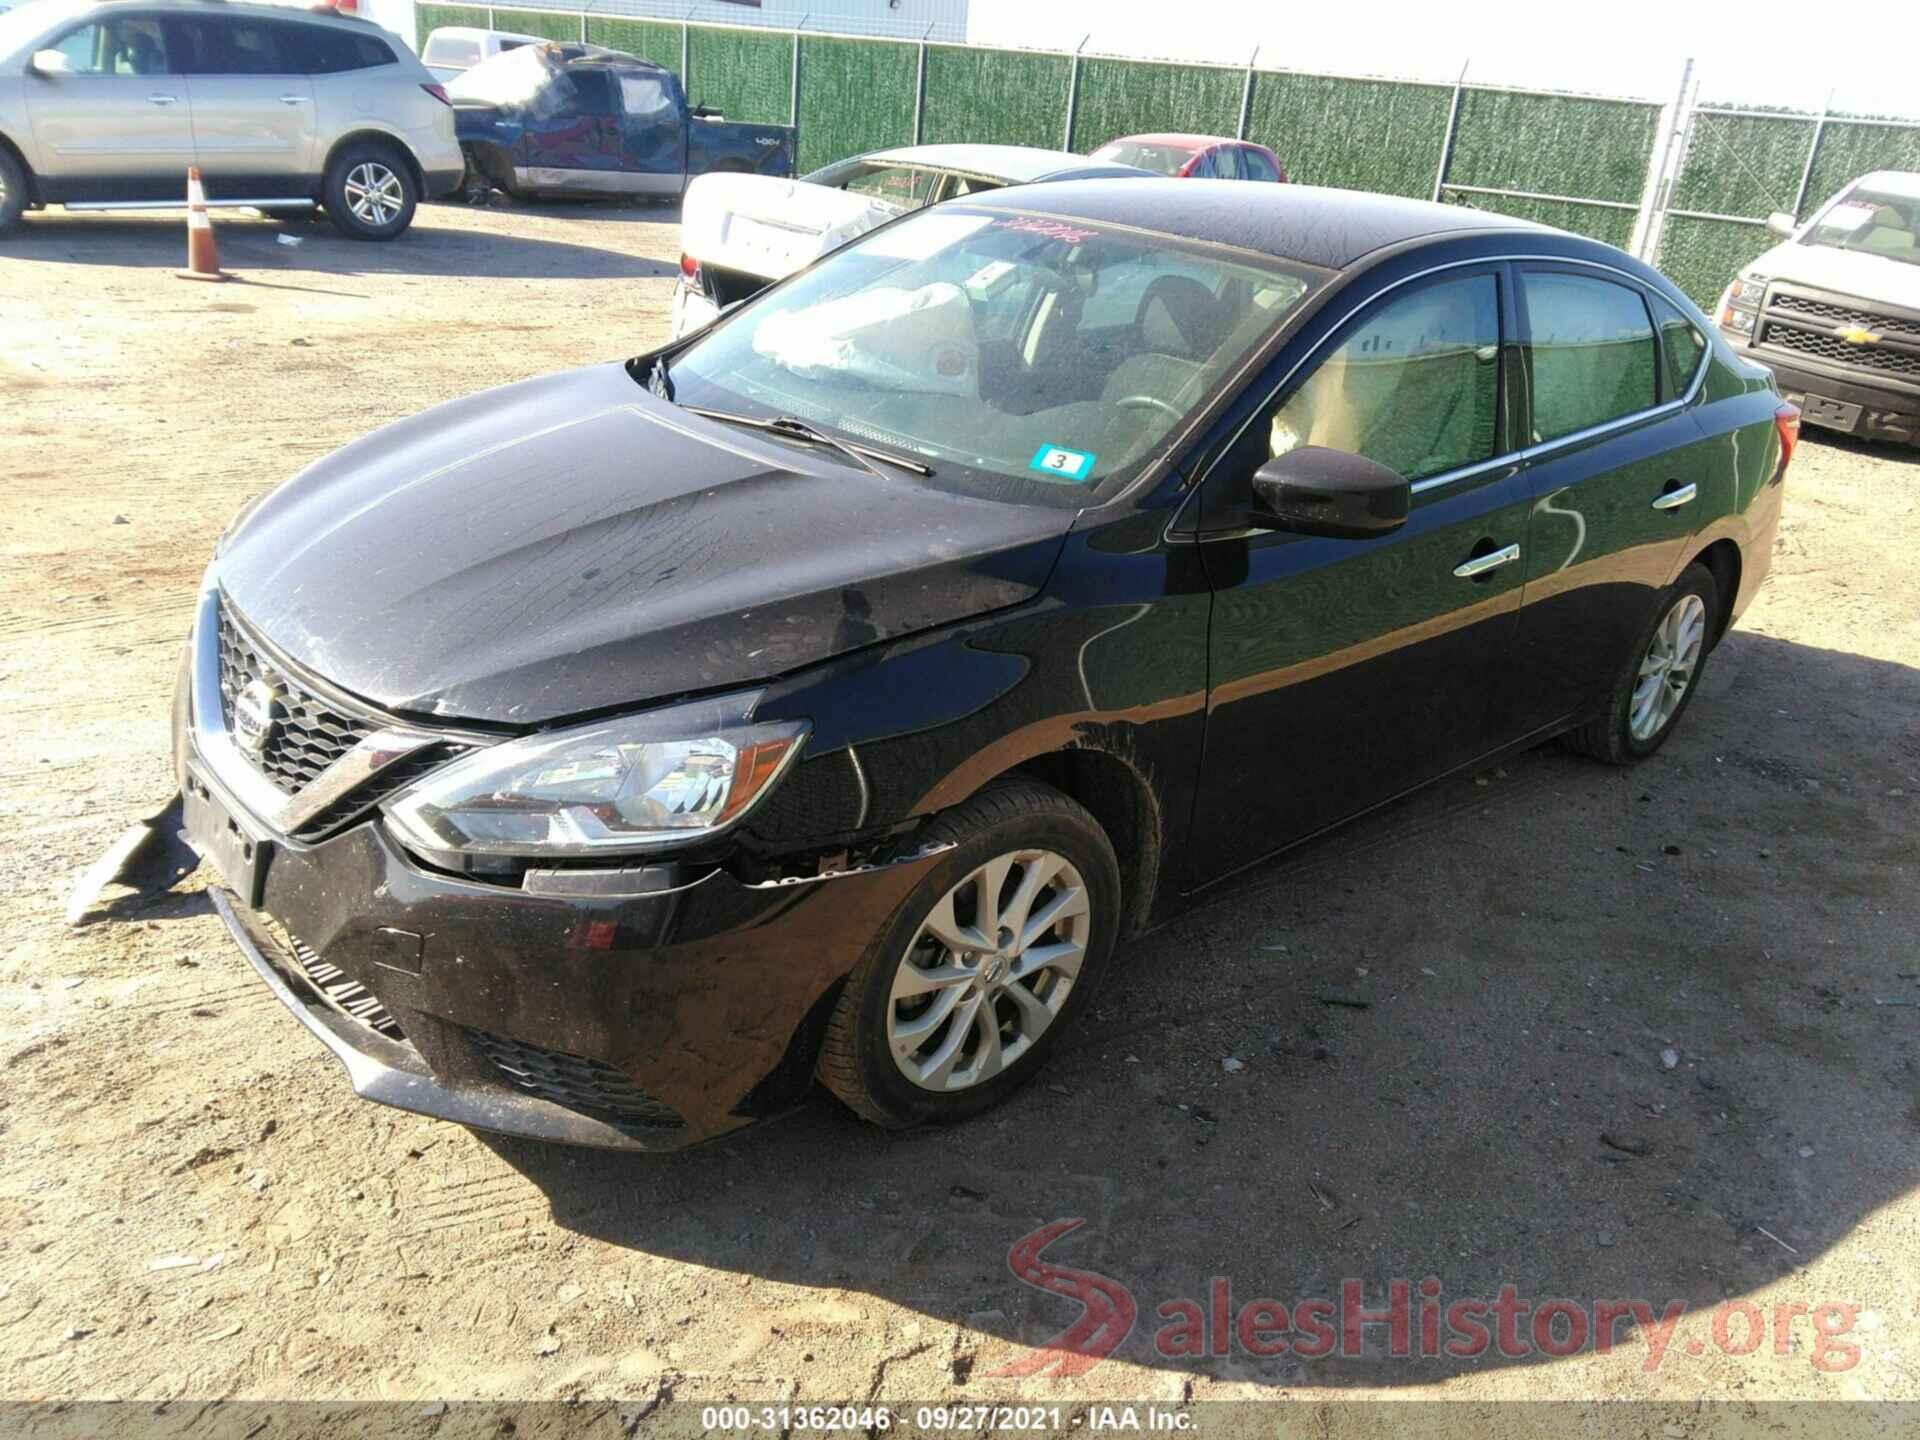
x=1161 y=159
x=444 y=49
x=1684 y=345
x=645 y=97
x=1416 y=386
x=1591 y=351
x=130 y=45
x=239 y=47
x=1226 y=163
x=323 y=50
x=1258 y=166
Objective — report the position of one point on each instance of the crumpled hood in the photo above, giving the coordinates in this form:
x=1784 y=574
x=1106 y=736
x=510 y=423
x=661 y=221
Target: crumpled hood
x=1847 y=272
x=572 y=543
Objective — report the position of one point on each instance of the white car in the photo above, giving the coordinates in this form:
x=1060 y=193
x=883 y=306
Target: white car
x=1834 y=309
x=452 y=50
x=740 y=233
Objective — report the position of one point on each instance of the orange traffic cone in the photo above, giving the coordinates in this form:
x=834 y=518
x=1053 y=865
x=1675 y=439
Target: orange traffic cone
x=203 y=256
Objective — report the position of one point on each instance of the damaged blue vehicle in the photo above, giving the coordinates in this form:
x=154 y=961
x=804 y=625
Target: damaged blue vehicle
x=584 y=121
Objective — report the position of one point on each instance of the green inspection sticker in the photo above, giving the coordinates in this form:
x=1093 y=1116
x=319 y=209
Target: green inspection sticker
x=1057 y=463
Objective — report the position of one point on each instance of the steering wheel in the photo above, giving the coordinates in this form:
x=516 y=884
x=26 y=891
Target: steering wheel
x=1149 y=402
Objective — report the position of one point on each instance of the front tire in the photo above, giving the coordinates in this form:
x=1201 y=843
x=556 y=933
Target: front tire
x=13 y=190
x=1661 y=676
x=962 y=996
x=370 y=192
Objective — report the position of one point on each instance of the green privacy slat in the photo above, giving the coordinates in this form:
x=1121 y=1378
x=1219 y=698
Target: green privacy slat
x=1701 y=256
x=748 y=76
x=1127 y=97
x=647 y=39
x=855 y=95
x=1743 y=164
x=1356 y=134
x=1596 y=222
x=545 y=23
x=1003 y=97
x=1557 y=144
x=429 y=18
x=1849 y=151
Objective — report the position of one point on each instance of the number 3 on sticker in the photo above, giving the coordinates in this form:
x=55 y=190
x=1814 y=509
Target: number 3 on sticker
x=1061 y=464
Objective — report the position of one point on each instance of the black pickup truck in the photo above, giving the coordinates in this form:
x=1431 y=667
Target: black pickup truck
x=564 y=119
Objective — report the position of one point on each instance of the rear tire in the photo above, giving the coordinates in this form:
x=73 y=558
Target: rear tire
x=13 y=190
x=1661 y=675
x=928 y=1032
x=370 y=192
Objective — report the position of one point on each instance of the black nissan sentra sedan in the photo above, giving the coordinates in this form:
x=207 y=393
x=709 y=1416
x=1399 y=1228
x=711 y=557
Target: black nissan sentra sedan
x=607 y=757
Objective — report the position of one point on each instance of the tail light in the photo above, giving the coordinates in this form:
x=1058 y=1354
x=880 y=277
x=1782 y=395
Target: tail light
x=439 y=92
x=689 y=268
x=1787 y=421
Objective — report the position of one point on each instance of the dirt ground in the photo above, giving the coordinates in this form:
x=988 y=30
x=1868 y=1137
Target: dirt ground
x=193 y=1205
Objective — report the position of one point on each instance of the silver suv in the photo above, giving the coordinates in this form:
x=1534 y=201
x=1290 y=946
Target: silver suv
x=105 y=105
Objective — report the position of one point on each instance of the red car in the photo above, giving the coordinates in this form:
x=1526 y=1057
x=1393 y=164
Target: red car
x=1199 y=157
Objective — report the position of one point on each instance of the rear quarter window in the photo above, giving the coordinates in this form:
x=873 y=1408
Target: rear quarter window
x=1684 y=347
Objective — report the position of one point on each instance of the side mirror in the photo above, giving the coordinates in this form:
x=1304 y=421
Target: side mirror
x=1780 y=223
x=1317 y=491
x=50 y=62
x=706 y=112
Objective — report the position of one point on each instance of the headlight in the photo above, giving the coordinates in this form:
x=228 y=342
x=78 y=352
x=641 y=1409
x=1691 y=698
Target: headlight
x=662 y=778
x=1739 y=321
x=1747 y=291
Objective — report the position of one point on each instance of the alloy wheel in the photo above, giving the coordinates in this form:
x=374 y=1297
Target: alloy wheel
x=374 y=193
x=1668 y=667
x=989 y=970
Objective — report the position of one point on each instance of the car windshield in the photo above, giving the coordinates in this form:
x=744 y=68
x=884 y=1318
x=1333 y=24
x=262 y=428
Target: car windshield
x=1022 y=357
x=1161 y=159
x=1874 y=222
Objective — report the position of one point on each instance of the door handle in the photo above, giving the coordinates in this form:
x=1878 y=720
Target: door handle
x=163 y=99
x=1674 y=499
x=1480 y=564
x=293 y=99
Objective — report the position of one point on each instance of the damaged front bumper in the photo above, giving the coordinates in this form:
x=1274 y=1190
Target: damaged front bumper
x=646 y=1008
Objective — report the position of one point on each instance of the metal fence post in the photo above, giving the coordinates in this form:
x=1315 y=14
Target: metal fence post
x=583 y=21
x=793 y=93
x=1246 y=95
x=686 y=82
x=1813 y=153
x=920 y=89
x=1659 y=198
x=1453 y=126
x=490 y=23
x=1073 y=89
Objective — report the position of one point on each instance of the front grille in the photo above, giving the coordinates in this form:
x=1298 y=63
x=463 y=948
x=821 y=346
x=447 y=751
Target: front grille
x=1832 y=348
x=1841 y=314
x=308 y=734
x=334 y=986
x=591 y=1087
x=384 y=783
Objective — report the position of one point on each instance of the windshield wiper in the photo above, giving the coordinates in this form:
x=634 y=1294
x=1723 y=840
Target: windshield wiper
x=658 y=381
x=794 y=428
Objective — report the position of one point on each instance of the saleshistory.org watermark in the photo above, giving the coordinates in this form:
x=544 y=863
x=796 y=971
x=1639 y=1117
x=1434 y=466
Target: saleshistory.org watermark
x=1413 y=1319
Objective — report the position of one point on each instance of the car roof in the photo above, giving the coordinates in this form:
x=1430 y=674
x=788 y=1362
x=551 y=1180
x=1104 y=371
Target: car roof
x=480 y=32
x=1018 y=164
x=1173 y=139
x=262 y=11
x=1900 y=182
x=1319 y=226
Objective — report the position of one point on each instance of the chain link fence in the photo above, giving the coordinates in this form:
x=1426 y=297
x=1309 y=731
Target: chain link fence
x=1690 y=184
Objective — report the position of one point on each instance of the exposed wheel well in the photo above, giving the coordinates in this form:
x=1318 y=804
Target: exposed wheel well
x=1117 y=796
x=26 y=169
x=1723 y=559
x=381 y=138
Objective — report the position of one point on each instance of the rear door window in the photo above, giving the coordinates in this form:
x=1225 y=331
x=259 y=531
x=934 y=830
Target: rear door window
x=233 y=45
x=1226 y=163
x=1258 y=166
x=1590 y=351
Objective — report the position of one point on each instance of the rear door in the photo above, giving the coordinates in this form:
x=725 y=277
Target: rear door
x=1344 y=672
x=1621 y=476
x=253 y=106
x=115 y=125
x=652 y=134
